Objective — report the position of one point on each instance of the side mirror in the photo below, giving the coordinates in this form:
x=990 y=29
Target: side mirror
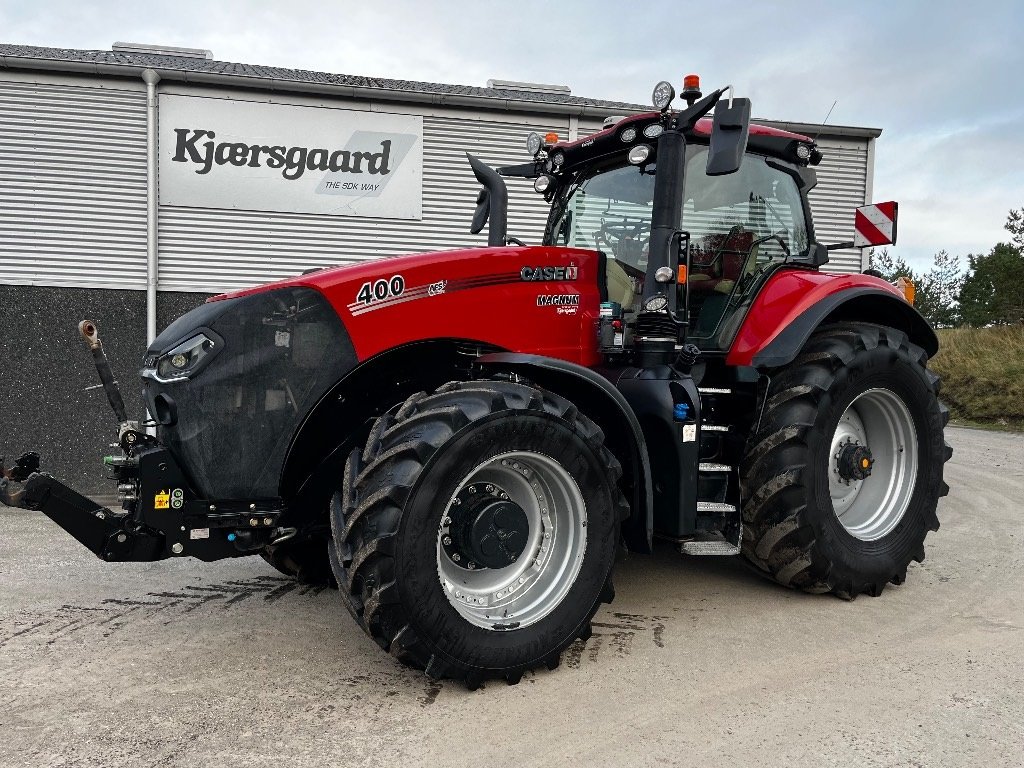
x=483 y=210
x=729 y=137
x=875 y=225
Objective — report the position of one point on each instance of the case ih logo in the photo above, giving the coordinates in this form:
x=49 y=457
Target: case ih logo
x=293 y=161
x=549 y=274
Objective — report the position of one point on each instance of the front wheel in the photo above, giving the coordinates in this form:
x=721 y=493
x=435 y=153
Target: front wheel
x=842 y=480
x=475 y=534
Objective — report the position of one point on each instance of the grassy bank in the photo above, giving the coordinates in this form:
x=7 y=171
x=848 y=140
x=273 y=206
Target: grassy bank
x=982 y=373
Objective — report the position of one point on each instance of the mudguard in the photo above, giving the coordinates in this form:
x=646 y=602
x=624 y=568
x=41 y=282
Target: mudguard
x=596 y=396
x=794 y=303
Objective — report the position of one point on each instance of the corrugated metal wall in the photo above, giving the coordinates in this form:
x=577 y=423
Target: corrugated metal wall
x=842 y=187
x=72 y=184
x=219 y=250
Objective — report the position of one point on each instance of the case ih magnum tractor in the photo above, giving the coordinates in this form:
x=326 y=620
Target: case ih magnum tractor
x=464 y=440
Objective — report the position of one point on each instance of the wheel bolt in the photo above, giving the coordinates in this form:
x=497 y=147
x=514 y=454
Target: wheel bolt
x=447 y=540
x=471 y=566
x=489 y=488
x=456 y=556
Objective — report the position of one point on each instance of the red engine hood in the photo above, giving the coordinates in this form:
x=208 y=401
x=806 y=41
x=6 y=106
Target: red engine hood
x=535 y=299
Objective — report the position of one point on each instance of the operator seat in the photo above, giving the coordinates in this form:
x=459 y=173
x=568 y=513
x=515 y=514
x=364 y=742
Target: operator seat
x=621 y=287
x=716 y=266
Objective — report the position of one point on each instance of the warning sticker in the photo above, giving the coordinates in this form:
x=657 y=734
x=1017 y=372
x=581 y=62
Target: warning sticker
x=199 y=533
x=162 y=500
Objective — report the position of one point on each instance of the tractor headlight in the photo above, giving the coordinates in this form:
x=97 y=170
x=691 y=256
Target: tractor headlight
x=639 y=154
x=184 y=360
x=628 y=134
x=542 y=183
x=533 y=143
x=656 y=304
x=654 y=130
x=664 y=275
x=663 y=95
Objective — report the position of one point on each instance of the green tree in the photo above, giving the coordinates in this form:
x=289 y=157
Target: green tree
x=993 y=291
x=1015 y=226
x=937 y=291
x=891 y=267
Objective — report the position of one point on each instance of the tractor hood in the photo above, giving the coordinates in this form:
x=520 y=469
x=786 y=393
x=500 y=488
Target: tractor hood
x=502 y=296
x=232 y=381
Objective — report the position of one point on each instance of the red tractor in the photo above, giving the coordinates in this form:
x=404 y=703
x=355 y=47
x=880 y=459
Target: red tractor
x=464 y=440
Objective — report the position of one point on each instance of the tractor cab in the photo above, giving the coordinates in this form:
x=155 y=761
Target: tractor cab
x=691 y=214
x=740 y=226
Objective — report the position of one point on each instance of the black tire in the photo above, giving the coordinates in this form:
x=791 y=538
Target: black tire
x=791 y=531
x=385 y=521
x=306 y=560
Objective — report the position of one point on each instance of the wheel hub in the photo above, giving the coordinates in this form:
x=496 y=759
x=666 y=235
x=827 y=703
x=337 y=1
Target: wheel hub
x=854 y=462
x=489 y=529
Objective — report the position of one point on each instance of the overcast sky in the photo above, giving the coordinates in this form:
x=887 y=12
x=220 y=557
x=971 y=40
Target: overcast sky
x=944 y=80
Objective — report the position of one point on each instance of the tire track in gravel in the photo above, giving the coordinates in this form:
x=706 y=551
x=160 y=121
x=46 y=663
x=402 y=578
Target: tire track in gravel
x=67 y=619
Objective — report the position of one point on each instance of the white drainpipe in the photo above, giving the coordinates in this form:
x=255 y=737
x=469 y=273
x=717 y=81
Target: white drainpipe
x=151 y=78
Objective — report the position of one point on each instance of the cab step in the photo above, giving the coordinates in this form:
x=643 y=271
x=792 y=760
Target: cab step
x=715 y=507
x=714 y=390
x=708 y=547
x=707 y=466
x=714 y=427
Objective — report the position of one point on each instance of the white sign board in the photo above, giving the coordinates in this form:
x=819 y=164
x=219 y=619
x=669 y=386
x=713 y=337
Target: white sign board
x=219 y=153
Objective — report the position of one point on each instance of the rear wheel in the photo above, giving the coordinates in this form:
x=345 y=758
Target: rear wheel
x=475 y=534
x=842 y=480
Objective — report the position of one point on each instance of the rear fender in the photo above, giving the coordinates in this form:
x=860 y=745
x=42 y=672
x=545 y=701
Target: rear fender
x=599 y=399
x=793 y=304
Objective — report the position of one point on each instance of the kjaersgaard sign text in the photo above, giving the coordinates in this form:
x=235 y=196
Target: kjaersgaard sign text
x=216 y=153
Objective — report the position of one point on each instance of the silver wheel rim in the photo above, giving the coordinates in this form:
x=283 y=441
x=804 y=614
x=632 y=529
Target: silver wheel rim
x=530 y=588
x=871 y=508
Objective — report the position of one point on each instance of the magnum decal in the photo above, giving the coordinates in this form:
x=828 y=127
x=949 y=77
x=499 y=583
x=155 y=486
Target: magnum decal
x=558 y=300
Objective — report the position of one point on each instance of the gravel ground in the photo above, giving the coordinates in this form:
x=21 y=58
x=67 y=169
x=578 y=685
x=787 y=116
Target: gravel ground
x=697 y=662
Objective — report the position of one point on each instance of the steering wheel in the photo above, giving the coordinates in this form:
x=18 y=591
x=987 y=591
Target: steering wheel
x=628 y=242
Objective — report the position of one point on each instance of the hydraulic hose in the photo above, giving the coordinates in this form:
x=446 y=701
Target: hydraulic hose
x=91 y=335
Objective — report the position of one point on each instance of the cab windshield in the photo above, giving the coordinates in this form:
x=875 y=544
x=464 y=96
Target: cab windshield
x=739 y=225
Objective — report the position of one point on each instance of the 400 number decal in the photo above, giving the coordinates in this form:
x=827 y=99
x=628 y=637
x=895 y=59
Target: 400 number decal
x=379 y=290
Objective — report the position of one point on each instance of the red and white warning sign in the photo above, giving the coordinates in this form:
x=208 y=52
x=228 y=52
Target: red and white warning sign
x=875 y=225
